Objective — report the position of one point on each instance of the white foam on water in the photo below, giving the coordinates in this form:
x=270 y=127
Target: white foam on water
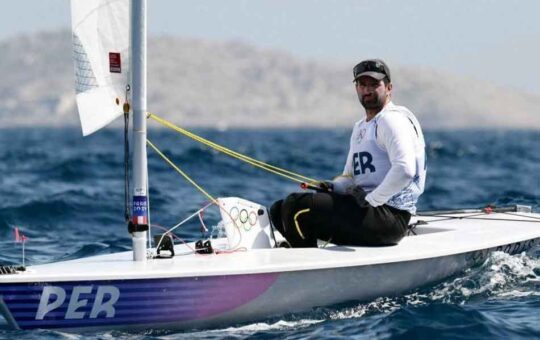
x=246 y=330
x=518 y=294
x=379 y=305
x=279 y=325
x=500 y=276
x=69 y=336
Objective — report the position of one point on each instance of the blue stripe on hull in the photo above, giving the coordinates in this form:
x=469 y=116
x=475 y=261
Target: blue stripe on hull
x=148 y=301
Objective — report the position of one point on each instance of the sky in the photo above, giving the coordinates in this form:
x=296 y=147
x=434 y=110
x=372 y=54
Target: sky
x=491 y=40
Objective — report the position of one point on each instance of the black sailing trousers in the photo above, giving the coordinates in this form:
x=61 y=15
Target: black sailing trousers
x=342 y=219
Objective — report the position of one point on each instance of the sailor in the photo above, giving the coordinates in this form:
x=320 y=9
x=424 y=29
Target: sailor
x=371 y=202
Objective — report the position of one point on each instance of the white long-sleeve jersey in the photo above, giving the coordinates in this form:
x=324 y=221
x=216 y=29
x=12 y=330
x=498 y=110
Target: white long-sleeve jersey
x=387 y=158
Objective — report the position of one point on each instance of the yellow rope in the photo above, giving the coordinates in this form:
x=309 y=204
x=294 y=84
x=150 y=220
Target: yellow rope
x=265 y=166
x=182 y=173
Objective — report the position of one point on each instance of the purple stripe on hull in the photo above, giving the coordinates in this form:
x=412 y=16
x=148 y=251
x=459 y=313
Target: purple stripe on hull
x=129 y=301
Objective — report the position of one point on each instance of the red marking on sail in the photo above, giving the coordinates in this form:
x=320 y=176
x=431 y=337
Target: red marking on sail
x=115 y=63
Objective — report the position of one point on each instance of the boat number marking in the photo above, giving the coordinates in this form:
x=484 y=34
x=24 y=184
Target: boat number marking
x=516 y=248
x=511 y=248
x=53 y=298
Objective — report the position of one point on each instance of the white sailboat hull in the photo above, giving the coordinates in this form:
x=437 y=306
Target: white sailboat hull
x=202 y=291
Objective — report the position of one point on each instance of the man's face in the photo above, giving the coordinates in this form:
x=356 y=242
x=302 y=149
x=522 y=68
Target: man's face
x=372 y=93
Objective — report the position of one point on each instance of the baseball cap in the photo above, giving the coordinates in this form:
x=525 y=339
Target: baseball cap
x=374 y=68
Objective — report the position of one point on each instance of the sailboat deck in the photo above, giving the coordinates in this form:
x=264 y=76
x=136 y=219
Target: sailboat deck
x=437 y=238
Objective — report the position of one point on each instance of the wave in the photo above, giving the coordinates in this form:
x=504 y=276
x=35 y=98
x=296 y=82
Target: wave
x=501 y=275
x=96 y=248
x=56 y=207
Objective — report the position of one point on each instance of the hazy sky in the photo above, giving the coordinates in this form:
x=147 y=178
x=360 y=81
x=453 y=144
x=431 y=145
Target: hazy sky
x=494 y=40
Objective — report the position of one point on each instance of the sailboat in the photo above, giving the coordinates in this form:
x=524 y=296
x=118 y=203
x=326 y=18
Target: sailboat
x=189 y=285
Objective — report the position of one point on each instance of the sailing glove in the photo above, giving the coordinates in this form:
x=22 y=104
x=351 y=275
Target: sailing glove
x=342 y=183
x=326 y=186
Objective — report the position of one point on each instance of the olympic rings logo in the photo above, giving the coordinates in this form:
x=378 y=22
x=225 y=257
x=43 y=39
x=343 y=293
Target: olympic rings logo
x=247 y=219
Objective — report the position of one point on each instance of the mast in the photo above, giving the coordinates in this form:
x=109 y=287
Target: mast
x=138 y=226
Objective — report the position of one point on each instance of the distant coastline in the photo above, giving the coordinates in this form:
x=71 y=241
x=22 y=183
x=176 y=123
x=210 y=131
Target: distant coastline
x=226 y=85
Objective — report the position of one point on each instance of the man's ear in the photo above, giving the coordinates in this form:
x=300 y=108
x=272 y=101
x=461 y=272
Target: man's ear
x=389 y=87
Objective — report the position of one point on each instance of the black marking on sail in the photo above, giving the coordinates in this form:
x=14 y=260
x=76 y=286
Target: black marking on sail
x=85 y=79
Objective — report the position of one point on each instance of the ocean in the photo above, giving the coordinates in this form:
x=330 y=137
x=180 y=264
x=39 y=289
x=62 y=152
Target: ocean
x=66 y=194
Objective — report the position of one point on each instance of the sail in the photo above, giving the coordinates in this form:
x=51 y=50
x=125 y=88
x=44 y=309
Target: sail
x=101 y=56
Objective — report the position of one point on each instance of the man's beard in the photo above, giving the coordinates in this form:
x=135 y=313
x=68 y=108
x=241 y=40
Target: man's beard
x=373 y=103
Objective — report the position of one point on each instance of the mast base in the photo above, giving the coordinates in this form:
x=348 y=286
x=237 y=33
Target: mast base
x=138 y=239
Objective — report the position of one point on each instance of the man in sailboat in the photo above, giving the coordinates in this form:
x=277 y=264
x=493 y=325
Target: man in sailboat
x=372 y=201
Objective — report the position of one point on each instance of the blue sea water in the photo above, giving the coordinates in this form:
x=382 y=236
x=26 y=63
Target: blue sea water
x=66 y=194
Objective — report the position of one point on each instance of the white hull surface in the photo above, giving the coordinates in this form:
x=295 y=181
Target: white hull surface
x=202 y=291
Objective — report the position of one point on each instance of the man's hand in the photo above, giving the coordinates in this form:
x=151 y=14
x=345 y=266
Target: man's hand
x=327 y=186
x=342 y=183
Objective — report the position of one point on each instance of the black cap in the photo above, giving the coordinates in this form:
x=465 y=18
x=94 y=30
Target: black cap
x=374 y=68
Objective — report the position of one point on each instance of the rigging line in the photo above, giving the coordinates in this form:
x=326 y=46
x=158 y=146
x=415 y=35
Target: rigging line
x=126 y=108
x=166 y=231
x=186 y=176
x=441 y=219
x=234 y=154
x=446 y=217
x=475 y=217
x=454 y=217
x=126 y=168
x=229 y=152
x=257 y=163
x=516 y=214
x=181 y=223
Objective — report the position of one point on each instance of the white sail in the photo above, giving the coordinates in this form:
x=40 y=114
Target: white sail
x=101 y=54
